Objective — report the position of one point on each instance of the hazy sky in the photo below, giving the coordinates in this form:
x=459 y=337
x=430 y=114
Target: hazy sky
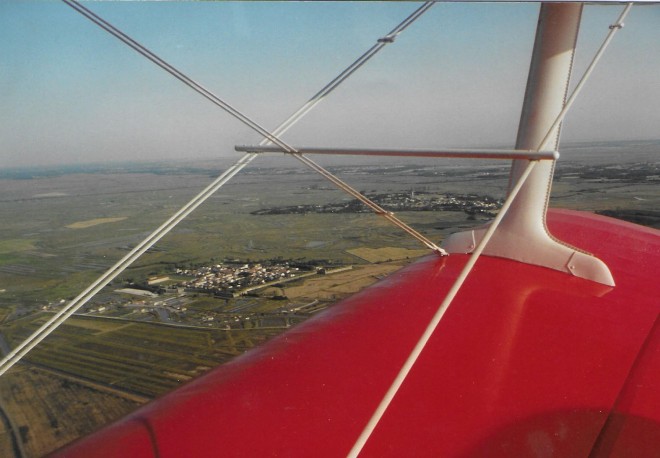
x=70 y=92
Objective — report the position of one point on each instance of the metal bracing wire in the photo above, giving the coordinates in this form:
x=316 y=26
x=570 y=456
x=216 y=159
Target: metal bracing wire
x=359 y=62
x=614 y=28
x=375 y=207
x=54 y=322
x=369 y=203
x=268 y=136
x=430 y=328
x=22 y=349
x=458 y=283
x=175 y=72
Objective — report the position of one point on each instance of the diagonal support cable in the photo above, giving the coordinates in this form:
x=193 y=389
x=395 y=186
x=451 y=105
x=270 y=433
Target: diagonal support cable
x=359 y=62
x=369 y=203
x=614 y=28
x=268 y=136
x=33 y=340
x=433 y=324
x=175 y=72
x=458 y=283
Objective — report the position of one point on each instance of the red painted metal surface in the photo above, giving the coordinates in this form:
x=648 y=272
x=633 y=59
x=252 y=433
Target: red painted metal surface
x=526 y=362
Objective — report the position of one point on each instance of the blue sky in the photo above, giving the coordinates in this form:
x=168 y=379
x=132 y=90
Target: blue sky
x=70 y=92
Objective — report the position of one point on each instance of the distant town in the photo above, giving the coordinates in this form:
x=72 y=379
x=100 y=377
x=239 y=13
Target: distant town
x=230 y=280
x=470 y=204
x=174 y=298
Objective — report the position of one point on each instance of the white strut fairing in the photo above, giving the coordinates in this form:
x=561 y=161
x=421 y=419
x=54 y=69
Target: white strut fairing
x=522 y=234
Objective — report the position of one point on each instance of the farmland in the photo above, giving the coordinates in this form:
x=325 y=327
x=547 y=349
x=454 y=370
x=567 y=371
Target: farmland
x=144 y=359
x=62 y=228
x=117 y=364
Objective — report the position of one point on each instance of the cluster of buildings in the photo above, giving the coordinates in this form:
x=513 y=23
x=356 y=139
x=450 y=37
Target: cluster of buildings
x=225 y=279
x=471 y=204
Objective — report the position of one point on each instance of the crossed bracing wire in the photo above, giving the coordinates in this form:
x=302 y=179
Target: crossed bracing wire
x=273 y=137
x=269 y=138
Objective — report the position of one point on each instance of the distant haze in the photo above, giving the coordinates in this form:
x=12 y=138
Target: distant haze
x=71 y=93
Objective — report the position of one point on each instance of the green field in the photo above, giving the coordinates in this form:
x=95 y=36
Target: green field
x=41 y=259
x=60 y=231
x=141 y=358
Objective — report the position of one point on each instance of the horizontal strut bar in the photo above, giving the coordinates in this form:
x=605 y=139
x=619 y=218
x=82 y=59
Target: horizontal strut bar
x=456 y=153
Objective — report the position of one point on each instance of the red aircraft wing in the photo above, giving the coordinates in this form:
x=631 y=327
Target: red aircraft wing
x=526 y=361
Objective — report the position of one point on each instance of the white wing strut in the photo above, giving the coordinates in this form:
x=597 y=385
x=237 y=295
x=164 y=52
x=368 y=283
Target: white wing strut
x=560 y=16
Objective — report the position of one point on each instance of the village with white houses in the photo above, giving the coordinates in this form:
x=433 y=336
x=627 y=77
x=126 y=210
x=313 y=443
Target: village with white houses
x=470 y=204
x=228 y=280
x=230 y=293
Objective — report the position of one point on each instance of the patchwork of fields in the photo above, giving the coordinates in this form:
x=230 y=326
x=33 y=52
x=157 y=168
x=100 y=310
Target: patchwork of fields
x=144 y=359
x=60 y=231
